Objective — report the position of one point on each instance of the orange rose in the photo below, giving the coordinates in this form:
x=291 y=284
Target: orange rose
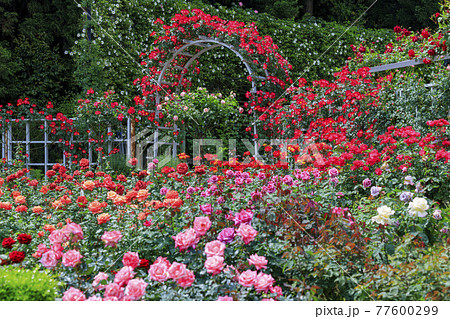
x=89 y=185
x=96 y=207
x=37 y=209
x=103 y=218
x=142 y=195
x=142 y=216
x=49 y=228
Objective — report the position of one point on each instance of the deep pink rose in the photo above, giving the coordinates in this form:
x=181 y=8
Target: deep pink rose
x=111 y=238
x=226 y=235
x=214 y=265
x=247 y=278
x=49 y=259
x=185 y=239
x=71 y=258
x=247 y=232
x=124 y=275
x=74 y=294
x=258 y=261
x=97 y=279
x=131 y=259
x=201 y=225
x=214 y=248
x=244 y=216
x=136 y=289
x=159 y=272
x=187 y=280
x=263 y=282
x=206 y=209
x=177 y=270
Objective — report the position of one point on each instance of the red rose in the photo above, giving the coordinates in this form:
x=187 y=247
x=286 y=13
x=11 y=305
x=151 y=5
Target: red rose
x=8 y=243
x=167 y=170
x=16 y=256
x=200 y=170
x=425 y=33
x=144 y=263
x=182 y=168
x=411 y=54
x=84 y=163
x=24 y=239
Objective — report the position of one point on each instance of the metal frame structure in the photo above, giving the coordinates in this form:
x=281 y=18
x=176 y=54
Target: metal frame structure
x=205 y=44
x=7 y=143
x=403 y=64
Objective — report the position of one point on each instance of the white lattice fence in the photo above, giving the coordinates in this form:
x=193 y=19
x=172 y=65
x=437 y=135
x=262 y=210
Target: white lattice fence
x=9 y=142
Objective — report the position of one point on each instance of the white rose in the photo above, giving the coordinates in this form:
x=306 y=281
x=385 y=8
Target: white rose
x=418 y=207
x=383 y=215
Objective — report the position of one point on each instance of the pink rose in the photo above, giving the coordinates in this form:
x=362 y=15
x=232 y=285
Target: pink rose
x=185 y=239
x=111 y=238
x=73 y=231
x=58 y=249
x=162 y=260
x=263 y=282
x=277 y=290
x=177 y=270
x=49 y=259
x=42 y=249
x=214 y=248
x=247 y=278
x=225 y=298
x=74 y=294
x=206 y=209
x=159 y=272
x=124 y=275
x=201 y=225
x=247 y=232
x=127 y=298
x=95 y=298
x=113 y=290
x=258 y=261
x=97 y=279
x=71 y=258
x=214 y=265
x=244 y=216
x=131 y=259
x=111 y=298
x=136 y=289
x=187 y=280
x=58 y=237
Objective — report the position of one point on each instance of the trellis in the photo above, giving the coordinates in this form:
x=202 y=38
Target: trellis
x=205 y=44
x=404 y=64
x=8 y=142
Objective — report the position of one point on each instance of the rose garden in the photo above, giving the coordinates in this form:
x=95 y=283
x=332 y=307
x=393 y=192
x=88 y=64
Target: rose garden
x=306 y=190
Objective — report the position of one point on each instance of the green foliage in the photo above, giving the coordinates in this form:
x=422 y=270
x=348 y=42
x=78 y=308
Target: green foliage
x=35 y=38
x=202 y=115
x=412 y=275
x=18 y=284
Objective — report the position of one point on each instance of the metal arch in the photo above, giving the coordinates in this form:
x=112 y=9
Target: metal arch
x=201 y=42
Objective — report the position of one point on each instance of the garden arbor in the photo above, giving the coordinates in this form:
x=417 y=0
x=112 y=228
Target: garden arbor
x=177 y=49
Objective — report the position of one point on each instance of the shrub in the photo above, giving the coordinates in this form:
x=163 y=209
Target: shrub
x=26 y=285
